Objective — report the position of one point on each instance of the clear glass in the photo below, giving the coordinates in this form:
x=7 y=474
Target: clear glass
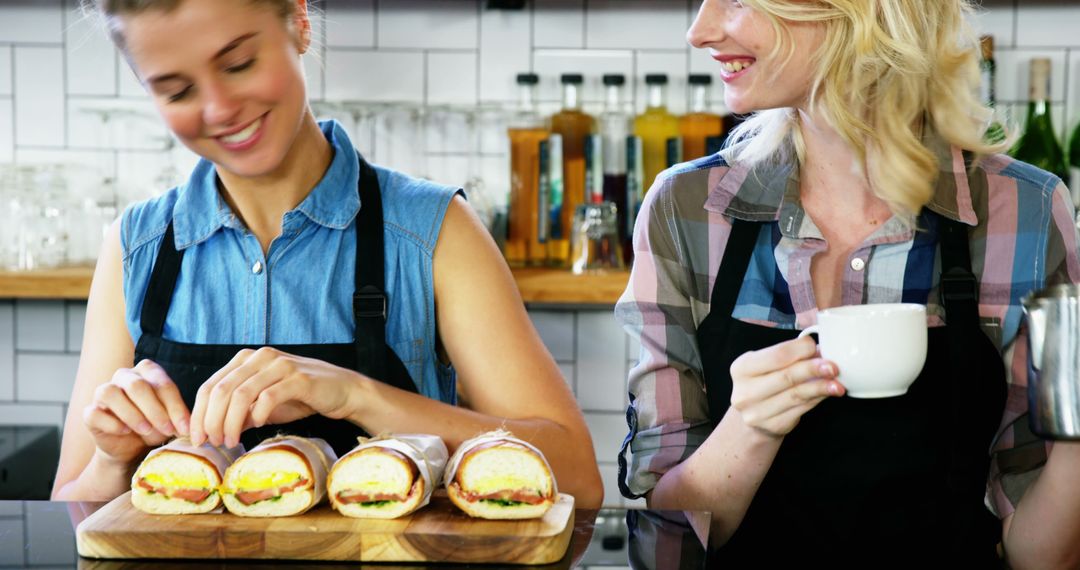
x=595 y=244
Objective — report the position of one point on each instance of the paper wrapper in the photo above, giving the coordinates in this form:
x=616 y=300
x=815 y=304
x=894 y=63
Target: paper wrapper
x=318 y=453
x=427 y=452
x=222 y=457
x=490 y=437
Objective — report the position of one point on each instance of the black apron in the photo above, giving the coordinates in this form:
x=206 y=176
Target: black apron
x=190 y=365
x=872 y=482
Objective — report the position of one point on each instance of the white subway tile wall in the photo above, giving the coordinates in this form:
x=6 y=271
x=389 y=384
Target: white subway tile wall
x=59 y=76
x=42 y=326
x=6 y=64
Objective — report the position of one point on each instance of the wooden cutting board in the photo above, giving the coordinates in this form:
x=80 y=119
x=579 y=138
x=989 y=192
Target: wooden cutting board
x=439 y=532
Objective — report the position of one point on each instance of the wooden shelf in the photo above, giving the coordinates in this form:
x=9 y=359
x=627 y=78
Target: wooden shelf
x=537 y=285
x=561 y=287
x=63 y=283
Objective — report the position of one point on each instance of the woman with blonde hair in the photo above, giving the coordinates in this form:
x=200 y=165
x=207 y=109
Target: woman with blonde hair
x=864 y=177
x=288 y=285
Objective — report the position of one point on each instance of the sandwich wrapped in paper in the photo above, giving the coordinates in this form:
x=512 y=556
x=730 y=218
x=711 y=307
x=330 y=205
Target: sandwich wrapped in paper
x=179 y=478
x=388 y=476
x=282 y=476
x=497 y=476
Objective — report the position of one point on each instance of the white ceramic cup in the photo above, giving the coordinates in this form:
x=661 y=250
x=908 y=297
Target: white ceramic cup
x=879 y=349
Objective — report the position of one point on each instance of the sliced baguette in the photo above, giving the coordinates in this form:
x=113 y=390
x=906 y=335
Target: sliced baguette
x=308 y=458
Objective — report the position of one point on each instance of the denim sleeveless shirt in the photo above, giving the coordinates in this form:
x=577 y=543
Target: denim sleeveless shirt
x=300 y=292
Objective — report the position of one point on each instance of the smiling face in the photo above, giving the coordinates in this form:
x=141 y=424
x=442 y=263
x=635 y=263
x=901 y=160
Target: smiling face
x=226 y=77
x=743 y=41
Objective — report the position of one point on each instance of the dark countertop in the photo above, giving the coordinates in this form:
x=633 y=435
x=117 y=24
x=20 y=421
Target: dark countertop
x=40 y=534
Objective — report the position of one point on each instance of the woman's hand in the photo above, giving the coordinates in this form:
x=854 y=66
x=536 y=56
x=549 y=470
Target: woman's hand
x=772 y=388
x=139 y=408
x=267 y=386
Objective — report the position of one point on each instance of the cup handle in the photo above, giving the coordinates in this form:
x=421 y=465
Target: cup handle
x=811 y=330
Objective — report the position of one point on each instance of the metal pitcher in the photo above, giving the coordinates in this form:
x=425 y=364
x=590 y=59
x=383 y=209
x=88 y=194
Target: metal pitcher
x=1053 y=321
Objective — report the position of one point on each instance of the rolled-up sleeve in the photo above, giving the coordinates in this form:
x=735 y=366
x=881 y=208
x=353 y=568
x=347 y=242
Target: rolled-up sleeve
x=1018 y=455
x=668 y=413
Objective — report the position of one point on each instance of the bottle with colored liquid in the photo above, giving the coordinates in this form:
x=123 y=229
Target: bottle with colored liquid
x=655 y=126
x=557 y=233
x=616 y=123
x=1038 y=145
x=573 y=125
x=635 y=191
x=700 y=125
x=526 y=131
x=1074 y=165
x=995 y=133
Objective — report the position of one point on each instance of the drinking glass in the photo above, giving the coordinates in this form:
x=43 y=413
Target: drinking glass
x=594 y=239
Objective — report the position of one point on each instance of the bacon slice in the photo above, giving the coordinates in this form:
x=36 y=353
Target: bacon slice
x=192 y=495
x=252 y=497
x=351 y=497
x=528 y=496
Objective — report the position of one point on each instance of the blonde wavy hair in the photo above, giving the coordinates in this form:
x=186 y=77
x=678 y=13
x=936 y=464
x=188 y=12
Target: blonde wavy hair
x=885 y=68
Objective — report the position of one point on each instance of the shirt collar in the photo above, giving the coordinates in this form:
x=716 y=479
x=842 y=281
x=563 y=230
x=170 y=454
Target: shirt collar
x=333 y=202
x=769 y=191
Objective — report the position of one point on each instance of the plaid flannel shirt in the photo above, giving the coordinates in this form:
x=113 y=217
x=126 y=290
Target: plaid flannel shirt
x=1023 y=238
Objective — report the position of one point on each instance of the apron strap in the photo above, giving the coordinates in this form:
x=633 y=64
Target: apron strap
x=730 y=276
x=369 y=297
x=969 y=464
x=159 y=292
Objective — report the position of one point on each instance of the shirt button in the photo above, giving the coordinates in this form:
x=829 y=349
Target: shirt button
x=257 y=268
x=858 y=264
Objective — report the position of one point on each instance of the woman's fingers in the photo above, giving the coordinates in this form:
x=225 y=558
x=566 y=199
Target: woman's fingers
x=773 y=358
x=167 y=393
x=145 y=396
x=113 y=398
x=243 y=398
x=101 y=421
x=748 y=391
x=205 y=394
x=776 y=410
x=272 y=397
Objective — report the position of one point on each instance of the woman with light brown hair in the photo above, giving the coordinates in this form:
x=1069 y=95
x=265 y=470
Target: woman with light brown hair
x=863 y=177
x=288 y=285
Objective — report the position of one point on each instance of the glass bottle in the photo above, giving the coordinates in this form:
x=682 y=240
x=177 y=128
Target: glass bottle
x=699 y=125
x=995 y=133
x=1074 y=165
x=553 y=193
x=573 y=125
x=616 y=123
x=1038 y=145
x=635 y=191
x=594 y=237
x=526 y=131
x=655 y=126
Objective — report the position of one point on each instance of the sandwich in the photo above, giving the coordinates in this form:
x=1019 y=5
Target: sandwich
x=387 y=477
x=497 y=476
x=179 y=478
x=282 y=476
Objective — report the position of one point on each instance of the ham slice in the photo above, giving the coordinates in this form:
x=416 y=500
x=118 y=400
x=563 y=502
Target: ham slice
x=192 y=495
x=252 y=497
